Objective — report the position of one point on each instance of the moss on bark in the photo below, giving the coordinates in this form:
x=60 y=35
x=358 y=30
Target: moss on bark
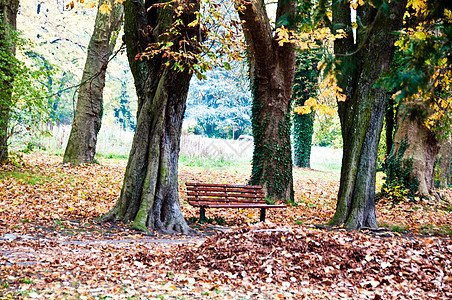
x=149 y=197
x=361 y=115
x=8 y=15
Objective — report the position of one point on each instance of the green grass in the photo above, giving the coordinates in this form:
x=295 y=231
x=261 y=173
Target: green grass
x=442 y=230
x=395 y=227
x=221 y=164
x=112 y=156
x=25 y=177
x=326 y=159
x=26 y=281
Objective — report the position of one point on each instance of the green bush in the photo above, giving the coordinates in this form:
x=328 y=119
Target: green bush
x=399 y=183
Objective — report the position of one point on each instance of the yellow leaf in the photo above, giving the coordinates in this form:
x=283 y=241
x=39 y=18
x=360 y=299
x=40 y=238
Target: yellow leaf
x=302 y=110
x=310 y=102
x=105 y=8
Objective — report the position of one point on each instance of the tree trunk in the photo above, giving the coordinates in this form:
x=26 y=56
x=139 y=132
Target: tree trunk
x=390 y=124
x=82 y=142
x=8 y=15
x=305 y=87
x=303 y=131
x=362 y=113
x=443 y=163
x=272 y=69
x=150 y=196
x=421 y=150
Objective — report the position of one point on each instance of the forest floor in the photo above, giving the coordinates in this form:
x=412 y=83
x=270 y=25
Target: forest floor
x=51 y=245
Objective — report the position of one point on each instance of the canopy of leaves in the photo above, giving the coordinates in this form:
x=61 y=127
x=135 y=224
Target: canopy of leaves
x=424 y=69
x=30 y=104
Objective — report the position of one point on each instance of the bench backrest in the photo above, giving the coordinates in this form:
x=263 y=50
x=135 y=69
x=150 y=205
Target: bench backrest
x=210 y=193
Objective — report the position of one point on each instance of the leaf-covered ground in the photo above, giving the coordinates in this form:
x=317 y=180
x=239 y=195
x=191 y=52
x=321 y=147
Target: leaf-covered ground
x=51 y=246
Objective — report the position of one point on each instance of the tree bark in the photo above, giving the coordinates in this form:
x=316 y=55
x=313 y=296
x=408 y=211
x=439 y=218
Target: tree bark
x=303 y=131
x=423 y=147
x=149 y=196
x=81 y=147
x=8 y=16
x=305 y=86
x=272 y=69
x=390 y=124
x=444 y=162
x=362 y=113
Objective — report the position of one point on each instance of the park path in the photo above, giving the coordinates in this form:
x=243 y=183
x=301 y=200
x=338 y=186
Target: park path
x=26 y=252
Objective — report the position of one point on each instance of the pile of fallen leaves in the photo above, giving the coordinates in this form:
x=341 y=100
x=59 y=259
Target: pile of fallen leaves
x=338 y=262
x=260 y=261
x=52 y=246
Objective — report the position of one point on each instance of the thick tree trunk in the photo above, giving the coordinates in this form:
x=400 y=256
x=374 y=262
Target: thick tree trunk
x=390 y=124
x=149 y=196
x=443 y=163
x=305 y=86
x=272 y=69
x=422 y=148
x=82 y=142
x=362 y=113
x=8 y=16
x=303 y=131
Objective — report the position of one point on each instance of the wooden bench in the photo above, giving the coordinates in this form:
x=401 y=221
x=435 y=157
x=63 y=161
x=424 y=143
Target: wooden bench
x=210 y=195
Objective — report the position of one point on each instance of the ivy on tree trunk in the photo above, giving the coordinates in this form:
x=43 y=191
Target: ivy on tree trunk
x=8 y=16
x=150 y=195
x=81 y=147
x=305 y=87
x=272 y=69
x=362 y=113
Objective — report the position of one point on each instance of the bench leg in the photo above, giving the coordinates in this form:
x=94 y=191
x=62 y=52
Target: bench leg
x=262 y=218
x=202 y=215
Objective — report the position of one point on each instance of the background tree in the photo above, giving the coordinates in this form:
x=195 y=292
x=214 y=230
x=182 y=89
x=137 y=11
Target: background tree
x=81 y=146
x=272 y=69
x=220 y=104
x=150 y=196
x=8 y=15
x=122 y=112
x=305 y=87
x=442 y=168
x=361 y=114
x=422 y=84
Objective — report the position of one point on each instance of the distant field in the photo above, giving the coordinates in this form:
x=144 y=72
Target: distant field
x=196 y=151
x=326 y=159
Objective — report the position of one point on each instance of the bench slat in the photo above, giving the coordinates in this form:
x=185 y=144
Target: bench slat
x=223 y=194
x=224 y=189
x=222 y=185
x=234 y=205
x=228 y=200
